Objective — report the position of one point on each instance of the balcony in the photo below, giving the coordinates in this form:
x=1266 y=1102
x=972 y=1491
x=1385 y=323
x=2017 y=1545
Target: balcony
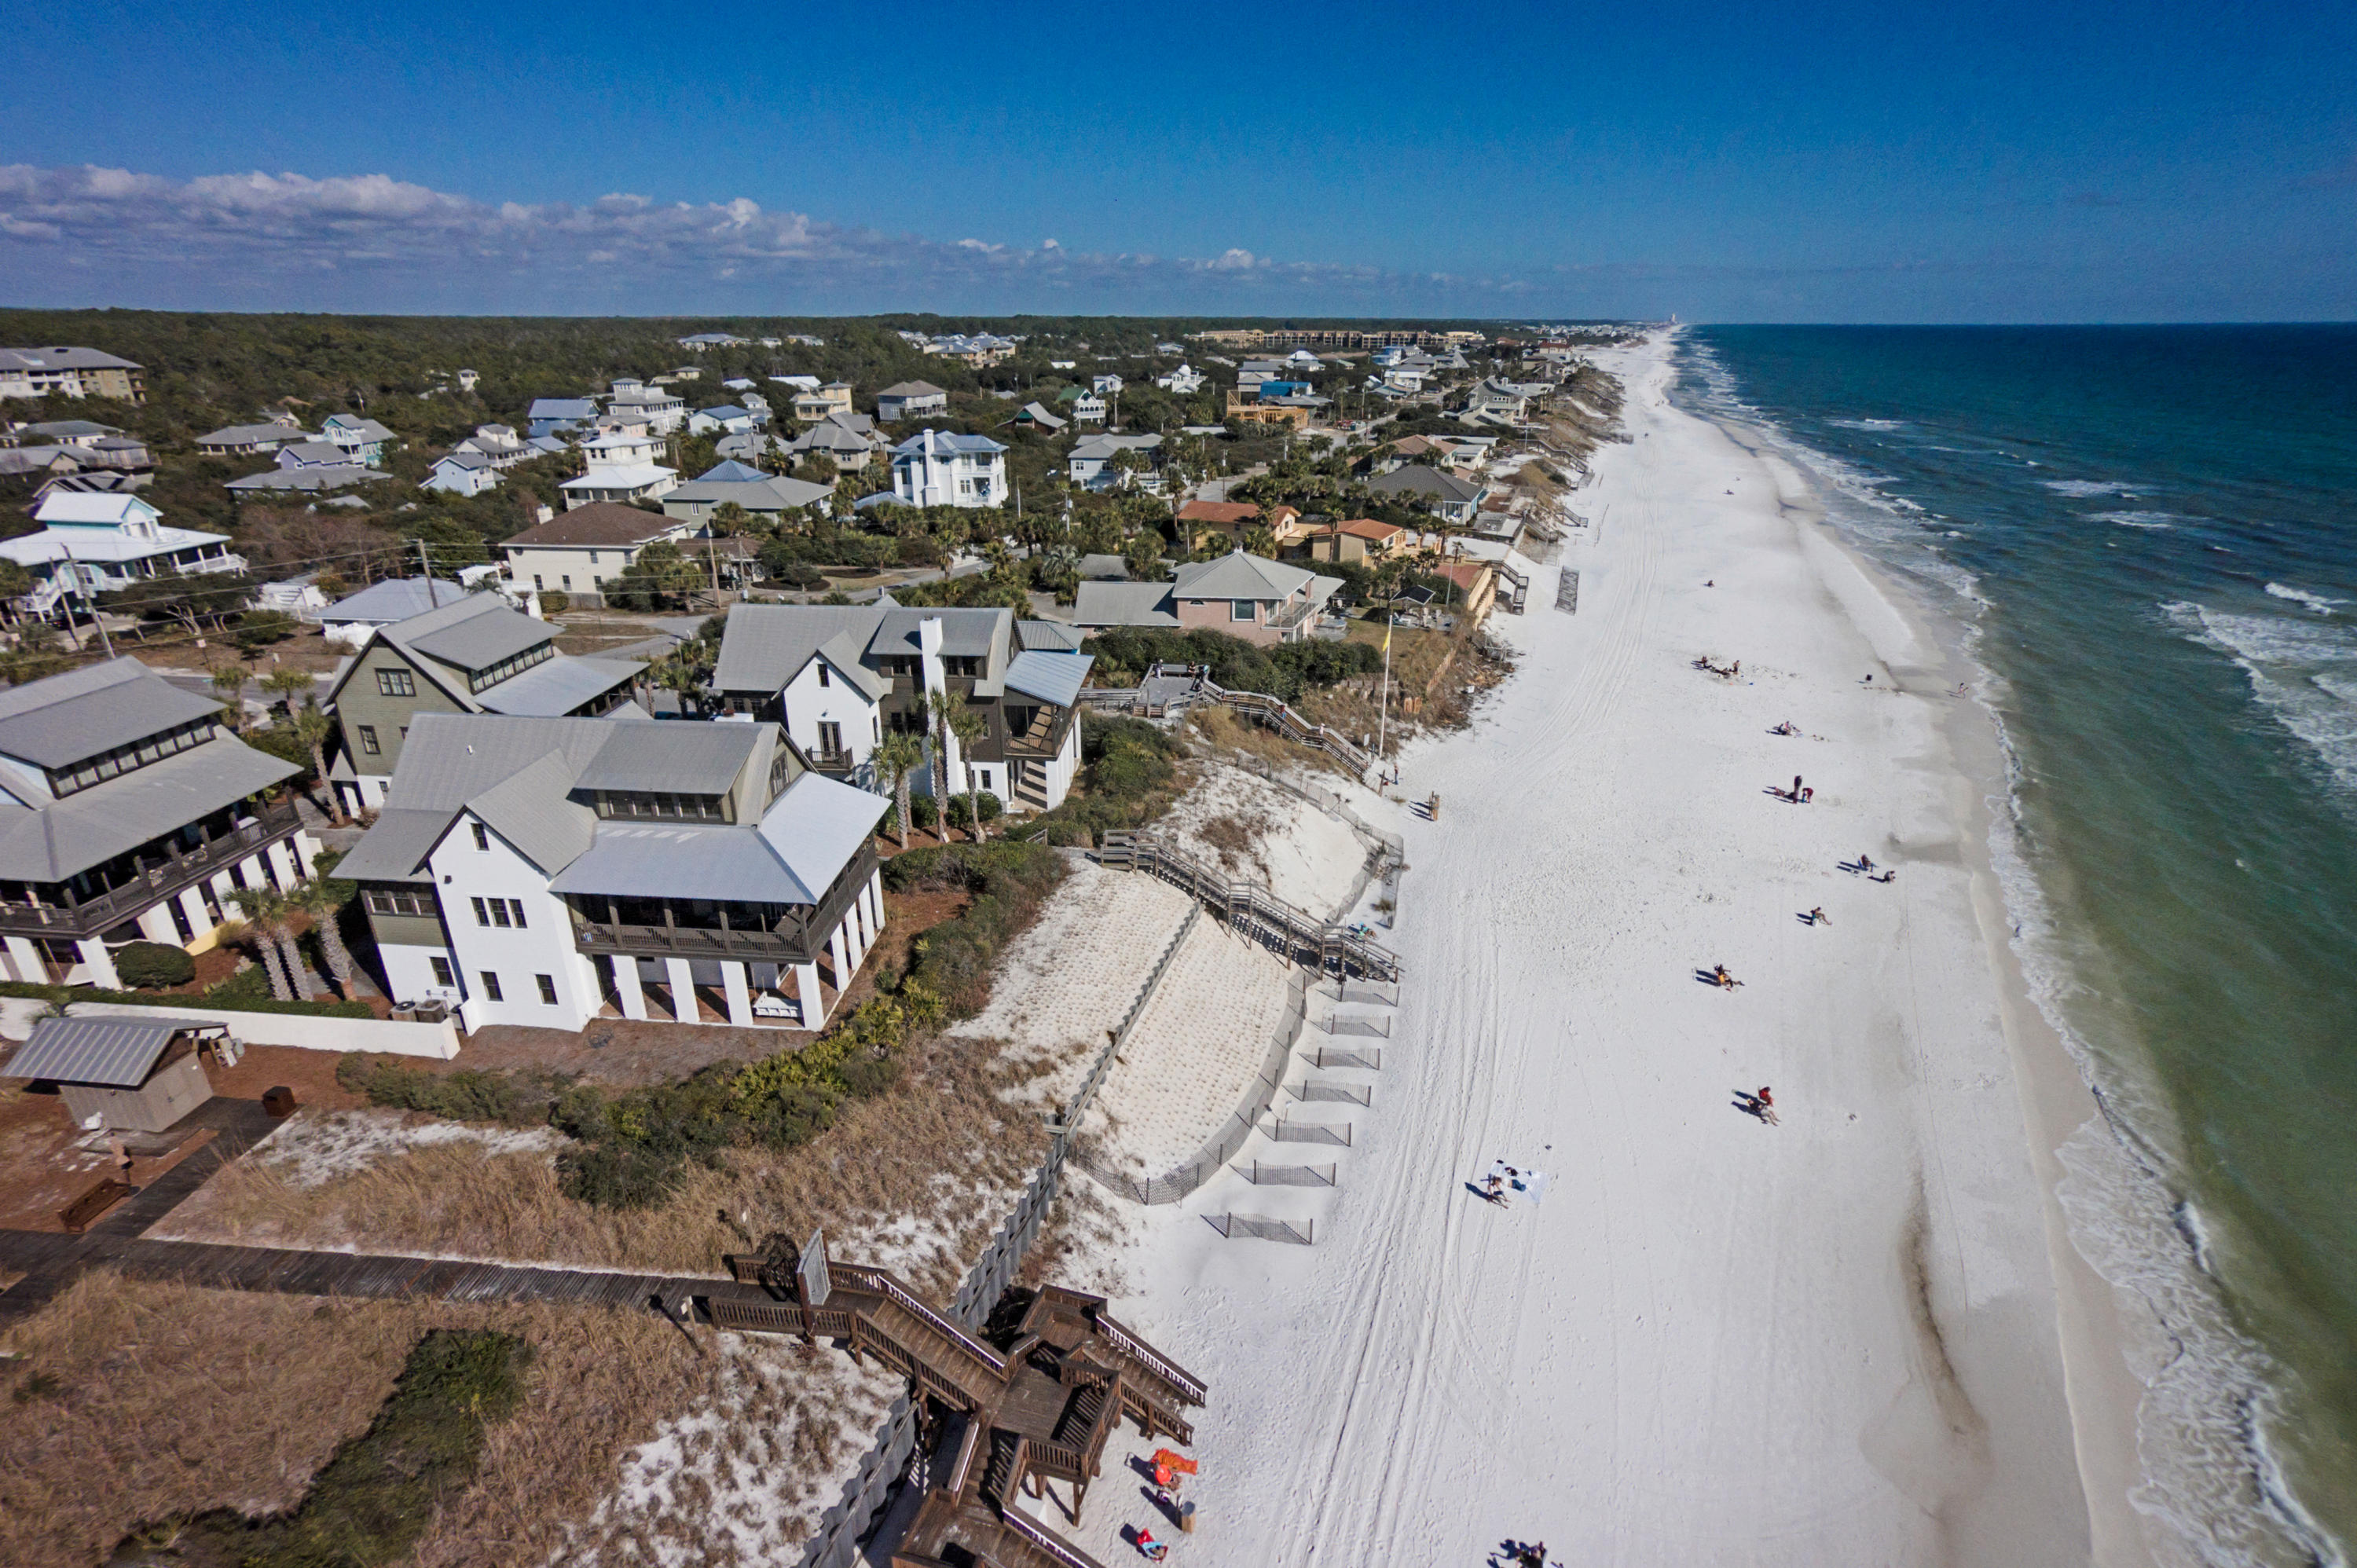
x=800 y=938
x=183 y=869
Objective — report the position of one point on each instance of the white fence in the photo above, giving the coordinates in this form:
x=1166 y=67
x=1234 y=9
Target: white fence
x=305 y=1031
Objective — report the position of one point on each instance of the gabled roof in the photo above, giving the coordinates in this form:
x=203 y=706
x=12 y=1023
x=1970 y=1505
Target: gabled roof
x=842 y=653
x=86 y=509
x=1103 y=447
x=1048 y=637
x=762 y=647
x=395 y=599
x=929 y=441
x=67 y=719
x=563 y=408
x=1417 y=479
x=689 y=758
x=1123 y=604
x=322 y=476
x=532 y=809
x=475 y=634
x=61 y=360
x=769 y=492
x=1037 y=415
x=600 y=523
x=730 y=472
x=116 y=1052
x=1237 y=576
x=557 y=686
x=912 y=389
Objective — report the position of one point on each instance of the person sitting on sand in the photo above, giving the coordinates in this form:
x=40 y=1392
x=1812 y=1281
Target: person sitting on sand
x=1767 y=1102
x=1808 y=794
x=1817 y=917
x=1886 y=876
x=1726 y=981
x=1866 y=862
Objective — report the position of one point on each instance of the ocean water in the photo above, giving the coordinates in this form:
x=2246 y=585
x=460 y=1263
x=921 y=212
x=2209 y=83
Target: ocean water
x=2151 y=537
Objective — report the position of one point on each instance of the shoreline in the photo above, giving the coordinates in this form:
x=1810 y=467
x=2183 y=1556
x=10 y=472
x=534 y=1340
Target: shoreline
x=1839 y=1338
x=2057 y=1103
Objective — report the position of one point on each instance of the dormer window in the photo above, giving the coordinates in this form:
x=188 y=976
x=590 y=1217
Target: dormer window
x=492 y=675
x=661 y=806
x=122 y=759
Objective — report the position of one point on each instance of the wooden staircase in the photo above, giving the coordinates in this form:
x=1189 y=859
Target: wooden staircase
x=1252 y=910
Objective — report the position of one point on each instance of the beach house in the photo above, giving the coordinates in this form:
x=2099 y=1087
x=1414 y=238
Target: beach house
x=477 y=655
x=1247 y=596
x=842 y=677
x=1093 y=467
x=577 y=552
x=619 y=468
x=937 y=468
x=91 y=543
x=128 y=813
x=71 y=372
x=549 y=871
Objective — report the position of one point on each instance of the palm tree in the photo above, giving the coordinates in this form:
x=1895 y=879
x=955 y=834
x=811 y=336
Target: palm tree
x=315 y=899
x=265 y=912
x=286 y=683
x=312 y=727
x=968 y=726
x=229 y=684
x=898 y=757
x=943 y=706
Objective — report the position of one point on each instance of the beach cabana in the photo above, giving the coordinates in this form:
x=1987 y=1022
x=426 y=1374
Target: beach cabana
x=141 y=1075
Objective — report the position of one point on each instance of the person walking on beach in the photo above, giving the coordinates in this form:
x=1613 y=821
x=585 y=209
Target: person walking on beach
x=1767 y=1102
x=1796 y=786
x=1808 y=795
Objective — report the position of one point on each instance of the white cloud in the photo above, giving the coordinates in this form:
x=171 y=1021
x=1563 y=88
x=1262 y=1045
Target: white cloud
x=370 y=242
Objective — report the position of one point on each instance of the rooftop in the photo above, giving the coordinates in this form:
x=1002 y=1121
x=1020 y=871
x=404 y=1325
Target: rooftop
x=600 y=523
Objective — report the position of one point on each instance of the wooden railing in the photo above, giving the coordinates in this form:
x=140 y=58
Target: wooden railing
x=1252 y=910
x=183 y=869
x=1035 y=1534
x=1184 y=1382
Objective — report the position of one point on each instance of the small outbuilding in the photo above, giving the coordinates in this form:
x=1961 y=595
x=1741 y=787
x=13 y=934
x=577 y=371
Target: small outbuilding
x=141 y=1075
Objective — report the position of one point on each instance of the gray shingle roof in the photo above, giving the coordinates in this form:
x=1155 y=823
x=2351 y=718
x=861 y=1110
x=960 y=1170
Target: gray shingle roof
x=1415 y=478
x=116 y=1052
x=395 y=599
x=1237 y=576
x=599 y=523
x=912 y=389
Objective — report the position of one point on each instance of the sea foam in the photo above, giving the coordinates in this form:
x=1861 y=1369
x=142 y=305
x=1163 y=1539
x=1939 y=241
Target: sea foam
x=2135 y=518
x=2316 y=602
x=2301 y=671
x=2091 y=487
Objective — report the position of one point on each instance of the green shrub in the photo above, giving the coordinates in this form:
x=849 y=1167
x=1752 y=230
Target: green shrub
x=619 y=1176
x=962 y=811
x=513 y=1100
x=147 y=966
x=554 y=601
x=259 y=629
x=1006 y=880
x=922 y=812
x=1128 y=779
x=375 y=1498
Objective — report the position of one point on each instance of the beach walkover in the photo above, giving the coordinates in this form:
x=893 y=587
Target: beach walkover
x=1039 y=1412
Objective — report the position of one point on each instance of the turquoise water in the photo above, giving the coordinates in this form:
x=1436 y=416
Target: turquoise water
x=2152 y=535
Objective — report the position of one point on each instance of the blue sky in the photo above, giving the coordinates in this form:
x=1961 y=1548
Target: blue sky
x=2050 y=162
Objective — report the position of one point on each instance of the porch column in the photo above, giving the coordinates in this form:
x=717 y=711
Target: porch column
x=841 y=970
x=192 y=905
x=740 y=995
x=681 y=975
x=875 y=896
x=101 y=964
x=861 y=925
x=806 y=991
x=25 y=958
x=155 y=925
x=852 y=938
x=223 y=891
x=626 y=990
x=256 y=873
x=285 y=863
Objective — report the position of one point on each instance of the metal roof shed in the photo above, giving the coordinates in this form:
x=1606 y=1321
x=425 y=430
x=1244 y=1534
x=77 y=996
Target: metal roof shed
x=139 y=1074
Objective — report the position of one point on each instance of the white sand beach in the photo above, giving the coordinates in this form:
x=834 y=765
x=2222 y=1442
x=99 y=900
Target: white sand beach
x=1837 y=1339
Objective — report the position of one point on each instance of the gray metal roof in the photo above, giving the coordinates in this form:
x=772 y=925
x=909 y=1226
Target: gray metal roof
x=965 y=633
x=1123 y=604
x=563 y=408
x=326 y=476
x=683 y=860
x=816 y=827
x=762 y=647
x=395 y=599
x=395 y=845
x=1415 y=478
x=486 y=632
x=52 y=842
x=66 y=718
x=1048 y=637
x=553 y=689
x=842 y=651
x=116 y=1052
x=531 y=810
x=1051 y=677
x=686 y=758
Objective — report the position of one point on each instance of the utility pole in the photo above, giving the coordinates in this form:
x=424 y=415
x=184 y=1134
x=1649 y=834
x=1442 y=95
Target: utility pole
x=426 y=564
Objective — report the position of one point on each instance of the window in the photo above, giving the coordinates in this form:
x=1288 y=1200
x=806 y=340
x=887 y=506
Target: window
x=830 y=739
x=491 y=987
x=395 y=683
x=825 y=676
x=536 y=583
x=482 y=914
x=657 y=805
x=368 y=741
x=593 y=558
x=482 y=835
x=547 y=988
x=442 y=973
x=1241 y=609
x=567 y=581
x=402 y=901
x=515 y=907
x=499 y=914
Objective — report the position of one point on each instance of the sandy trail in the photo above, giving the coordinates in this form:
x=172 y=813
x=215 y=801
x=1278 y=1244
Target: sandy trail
x=1831 y=1341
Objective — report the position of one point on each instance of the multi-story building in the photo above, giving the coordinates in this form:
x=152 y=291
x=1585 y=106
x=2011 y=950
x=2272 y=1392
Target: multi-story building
x=841 y=677
x=1246 y=596
x=128 y=813
x=359 y=440
x=477 y=655
x=936 y=467
x=71 y=372
x=814 y=404
x=621 y=467
x=93 y=542
x=580 y=551
x=552 y=871
x=910 y=400
x=663 y=412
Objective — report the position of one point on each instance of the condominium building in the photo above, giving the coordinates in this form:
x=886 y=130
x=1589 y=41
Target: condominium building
x=71 y=372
